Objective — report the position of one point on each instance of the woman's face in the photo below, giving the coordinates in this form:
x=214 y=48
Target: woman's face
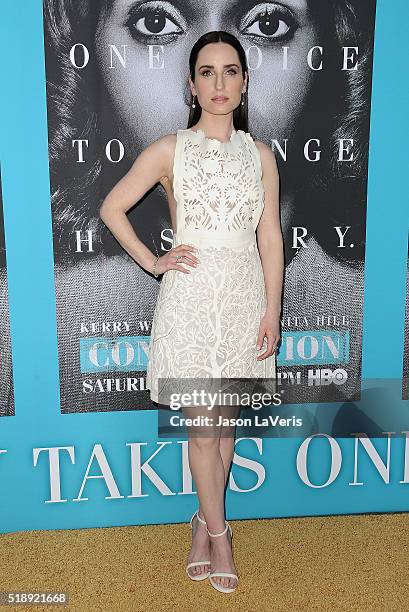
x=154 y=38
x=218 y=72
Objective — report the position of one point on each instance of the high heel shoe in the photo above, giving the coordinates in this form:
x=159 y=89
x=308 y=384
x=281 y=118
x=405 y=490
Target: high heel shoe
x=214 y=584
x=203 y=575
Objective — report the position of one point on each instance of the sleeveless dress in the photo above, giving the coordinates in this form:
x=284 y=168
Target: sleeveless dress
x=206 y=323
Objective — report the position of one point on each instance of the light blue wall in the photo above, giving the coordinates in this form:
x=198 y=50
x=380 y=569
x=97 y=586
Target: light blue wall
x=38 y=422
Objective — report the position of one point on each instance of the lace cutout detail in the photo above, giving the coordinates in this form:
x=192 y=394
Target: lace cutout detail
x=206 y=323
x=220 y=183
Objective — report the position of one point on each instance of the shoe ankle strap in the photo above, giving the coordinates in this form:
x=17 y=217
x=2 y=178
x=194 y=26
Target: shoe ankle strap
x=196 y=514
x=200 y=519
x=216 y=535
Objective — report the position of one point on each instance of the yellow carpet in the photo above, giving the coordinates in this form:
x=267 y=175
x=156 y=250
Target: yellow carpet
x=355 y=562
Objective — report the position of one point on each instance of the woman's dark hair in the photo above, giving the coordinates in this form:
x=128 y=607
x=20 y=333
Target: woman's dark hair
x=240 y=114
x=328 y=194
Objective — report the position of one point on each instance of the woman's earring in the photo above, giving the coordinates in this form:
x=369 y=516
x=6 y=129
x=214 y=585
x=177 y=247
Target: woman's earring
x=193 y=102
x=242 y=100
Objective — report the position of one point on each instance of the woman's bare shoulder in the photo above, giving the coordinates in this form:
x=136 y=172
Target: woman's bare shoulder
x=164 y=143
x=162 y=151
x=267 y=155
x=167 y=139
x=263 y=148
x=169 y=144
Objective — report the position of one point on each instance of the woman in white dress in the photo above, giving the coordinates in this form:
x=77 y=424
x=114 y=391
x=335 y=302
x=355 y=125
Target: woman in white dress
x=219 y=304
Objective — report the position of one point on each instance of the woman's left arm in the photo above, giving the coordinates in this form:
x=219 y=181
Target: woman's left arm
x=271 y=249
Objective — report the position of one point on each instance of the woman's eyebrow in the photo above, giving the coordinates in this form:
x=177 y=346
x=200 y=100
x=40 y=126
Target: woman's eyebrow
x=210 y=66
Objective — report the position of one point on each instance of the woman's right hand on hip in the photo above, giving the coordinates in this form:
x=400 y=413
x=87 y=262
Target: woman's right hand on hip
x=176 y=258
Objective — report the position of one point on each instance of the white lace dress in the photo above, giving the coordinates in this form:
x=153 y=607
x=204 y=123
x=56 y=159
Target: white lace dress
x=206 y=323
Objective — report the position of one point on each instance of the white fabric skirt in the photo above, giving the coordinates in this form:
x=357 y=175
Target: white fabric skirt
x=206 y=323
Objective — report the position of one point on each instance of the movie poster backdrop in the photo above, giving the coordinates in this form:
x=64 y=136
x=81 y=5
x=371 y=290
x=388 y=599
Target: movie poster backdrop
x=6 y=374
x=116 y=81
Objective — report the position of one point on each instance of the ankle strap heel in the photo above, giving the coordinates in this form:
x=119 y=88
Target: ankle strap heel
x=215 y=584
x=196 y=514
x=216 y=535
x=202 y=575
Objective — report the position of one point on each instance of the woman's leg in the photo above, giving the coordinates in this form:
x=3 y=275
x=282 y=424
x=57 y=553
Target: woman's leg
x=221 y=551
x=227 y=438
x=207 y=469
x=210 y=470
